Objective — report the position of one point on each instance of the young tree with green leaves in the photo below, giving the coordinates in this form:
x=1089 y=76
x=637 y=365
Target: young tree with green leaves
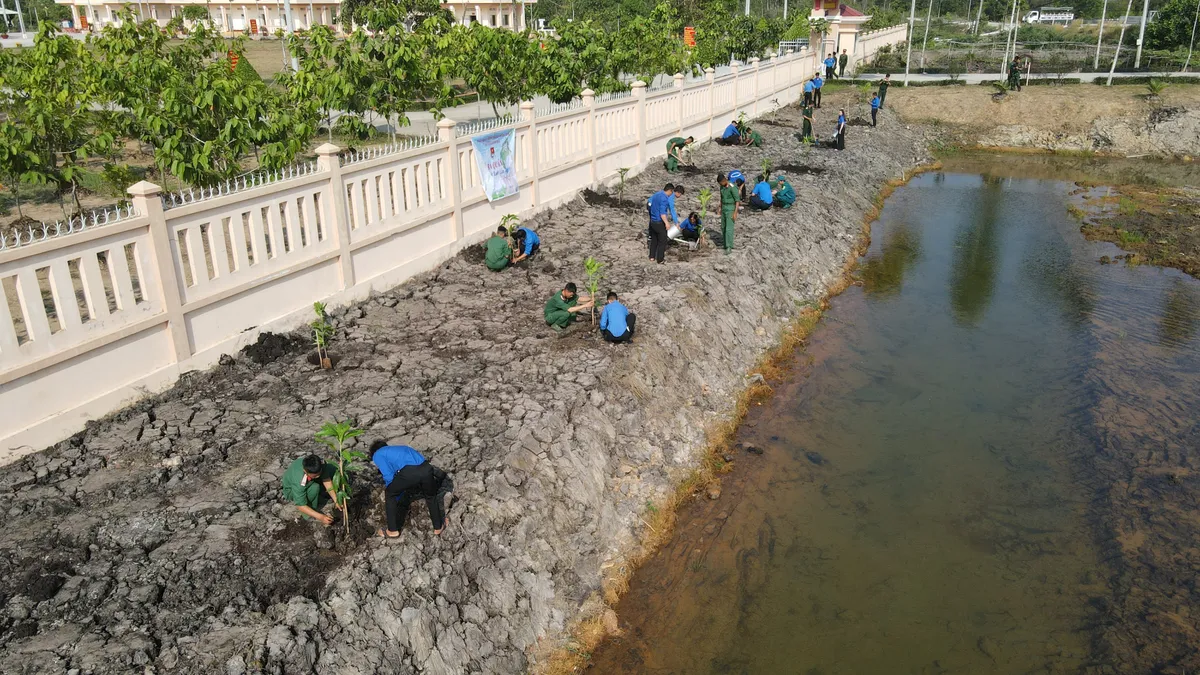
x=500 y=65
x=333 y=82
x=577 y=59
x=52 y=93
x=336 y=435
x=403 y=67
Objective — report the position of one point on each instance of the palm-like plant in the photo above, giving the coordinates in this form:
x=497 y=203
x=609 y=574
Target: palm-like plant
x=335 y=435
x=510 y=222
x=322 y=332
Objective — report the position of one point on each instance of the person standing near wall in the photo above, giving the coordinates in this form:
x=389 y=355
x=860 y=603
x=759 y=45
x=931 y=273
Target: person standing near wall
x=809 y=88
x=842 y=63
x=818 y=82
x=830 y=63
x=729 y=211
x=883 y=87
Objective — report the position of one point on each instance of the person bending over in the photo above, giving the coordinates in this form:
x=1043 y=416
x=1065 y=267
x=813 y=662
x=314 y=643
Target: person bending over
x=761 y=198
x=785 y=194
x=499 y=253
x=562 y=307
x=616 y=321
x=407 y=475
x=731 y=136
x=527 y=243
x=308 y=484
x=689 y=228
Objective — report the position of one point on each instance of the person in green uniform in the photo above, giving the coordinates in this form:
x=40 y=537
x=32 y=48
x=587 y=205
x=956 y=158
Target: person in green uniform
x=308 y=484
x=842 y=63
x=883 y=87
x=807 y=134
x=752 y=137
x=562 y=307
x=674 y=147
x=499 y=253
x=729 y=210
x=783 y=192
x=1014 y=75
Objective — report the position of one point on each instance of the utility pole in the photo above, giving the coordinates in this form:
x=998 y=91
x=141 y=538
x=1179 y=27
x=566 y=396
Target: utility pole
x=1121 y=39
x=21 y=18
x=1193 y=42
x=785 y=10
x=978 y=17
x=1103 y=13
x=288 y=30
x=747 y=7
x=1137 y=60
x=912 y=20
x=925 y=42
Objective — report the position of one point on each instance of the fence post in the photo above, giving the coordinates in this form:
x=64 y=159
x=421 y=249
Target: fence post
x=589 y=102
x=528 y=115
x=754 y=64
x=737 y=87
x=639 y=94
x=446 y=133
x=328 y=160
x=710 y=76
x=146 y=201
x=679 y=89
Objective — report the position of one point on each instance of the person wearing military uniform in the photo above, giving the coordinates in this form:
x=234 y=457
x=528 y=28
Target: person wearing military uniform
x=729 y=209
x=807 y=134
x=883 y=87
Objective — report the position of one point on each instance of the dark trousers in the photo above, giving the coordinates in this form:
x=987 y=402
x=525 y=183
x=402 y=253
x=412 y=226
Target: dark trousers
x=409 y=483
x=841 y=140
x=817 y=97
x=874 y=113
x=808 y=96
x=829 y=74
x=658 y=240
x=630 y=322
x=728 y=140
x=757 y=203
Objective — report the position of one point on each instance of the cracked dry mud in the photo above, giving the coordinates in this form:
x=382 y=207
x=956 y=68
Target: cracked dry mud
x=157 y=541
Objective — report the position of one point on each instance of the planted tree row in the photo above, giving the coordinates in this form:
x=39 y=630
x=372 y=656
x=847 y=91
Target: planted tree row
x=202 y=114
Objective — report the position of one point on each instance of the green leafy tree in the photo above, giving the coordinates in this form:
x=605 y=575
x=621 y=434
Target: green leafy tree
x=383 y=14
x=52 y=93
x=185 y=99
x=579 y=57
x=500 y=65
x=333 y=82
x=1172 y=28
x=336 y=435
x=18 y=156
x=403 y=68
x=651 y=45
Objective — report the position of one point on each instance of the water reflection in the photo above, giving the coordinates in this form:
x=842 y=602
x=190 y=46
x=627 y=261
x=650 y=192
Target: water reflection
x=925 y=501
x=976 y=259
x=1180 y=314
x=883 y=273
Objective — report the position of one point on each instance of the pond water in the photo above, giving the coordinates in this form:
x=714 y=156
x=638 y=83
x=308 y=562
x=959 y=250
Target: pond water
x=926 y=500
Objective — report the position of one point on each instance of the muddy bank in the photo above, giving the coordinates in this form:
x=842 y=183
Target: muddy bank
x=158 y=539
x=1120 y=120
x=1157 y=226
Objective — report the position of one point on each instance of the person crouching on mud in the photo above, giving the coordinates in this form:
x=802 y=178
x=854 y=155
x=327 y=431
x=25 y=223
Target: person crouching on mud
x=308 y=484
x=407 y=475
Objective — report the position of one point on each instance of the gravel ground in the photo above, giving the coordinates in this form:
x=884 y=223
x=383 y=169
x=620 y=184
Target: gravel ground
x=156 y=541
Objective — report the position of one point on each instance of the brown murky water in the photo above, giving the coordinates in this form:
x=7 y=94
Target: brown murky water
x=926 y=499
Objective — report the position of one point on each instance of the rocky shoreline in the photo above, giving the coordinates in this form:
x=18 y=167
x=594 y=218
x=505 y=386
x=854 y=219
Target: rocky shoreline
x=1168 y=131
x=156 y=541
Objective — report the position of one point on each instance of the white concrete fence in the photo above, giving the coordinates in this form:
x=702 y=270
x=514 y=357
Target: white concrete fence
x=100 y=312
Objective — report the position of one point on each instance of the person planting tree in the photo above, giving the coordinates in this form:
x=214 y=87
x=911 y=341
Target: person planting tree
x=308 y=484
x=407 y=476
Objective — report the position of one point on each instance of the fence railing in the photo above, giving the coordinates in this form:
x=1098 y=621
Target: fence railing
x=92 y=319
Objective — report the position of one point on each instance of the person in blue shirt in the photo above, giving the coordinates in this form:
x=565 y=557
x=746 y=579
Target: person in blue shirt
x=841 y=130
x=616 y=321
x=408 y=475
x=830 y=62
x=679 y=190
x=817 y=84
x=660 y=221
x=690 y=227
x=526 y=244
x=731 y=136
x=738 y=179
x=875 y=103
x=809 y=88
x=761 y=197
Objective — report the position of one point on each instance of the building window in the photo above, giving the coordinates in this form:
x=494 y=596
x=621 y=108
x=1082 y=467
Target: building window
x=493 y=23
x=506 y=22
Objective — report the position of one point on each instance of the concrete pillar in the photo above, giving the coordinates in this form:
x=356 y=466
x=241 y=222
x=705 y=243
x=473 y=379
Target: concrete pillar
x=589 y=102
x=329 y=162
x=445 y=131
x=148 y=202
x=639 y=94
x=527 y=115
